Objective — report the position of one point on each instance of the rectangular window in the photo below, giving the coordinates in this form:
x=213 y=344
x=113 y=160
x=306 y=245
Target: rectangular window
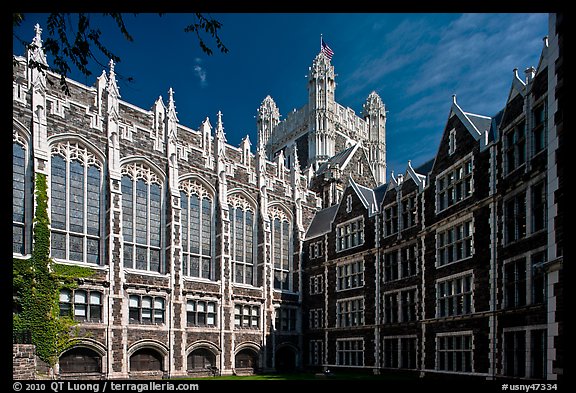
x=538 y=207
x=286 y=319
x=391 y=266
x=454 y=244
x=146 y=309
x=82 y=305
x=350 y=275
x=247 y=316
x=315 y=318
x=400 y=306
x=408 y=212
x=454 y=296
x=350 y=352
x=400 y=352
x=454 y=186
x=538 y=353
x=515 y=147
x=391 y=353
x=539 y=131
x=350 y=312
x=391 y=220
x=515 y=283
x=515 y=353
x=538 y=289
x=515 y=217
x=525 y=353
x=201 y=313
x=454 y=353
x=316 y=353
x=316 y=284
x=408 y=256
x=316 y=250
x=391 y=308
x=350 y=234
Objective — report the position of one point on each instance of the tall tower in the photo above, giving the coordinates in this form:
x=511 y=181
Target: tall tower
x=267 y=119
x=374 y=113
x=321 y=85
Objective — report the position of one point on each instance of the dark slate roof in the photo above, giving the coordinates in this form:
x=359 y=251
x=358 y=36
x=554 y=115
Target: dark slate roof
x=379 y=193
x=339 y=158
x=322 y=222
x=482 y=123
x=425 y=168
x=496 y=119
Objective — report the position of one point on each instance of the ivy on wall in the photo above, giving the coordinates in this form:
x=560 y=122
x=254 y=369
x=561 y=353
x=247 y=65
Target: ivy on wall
x=37 y=282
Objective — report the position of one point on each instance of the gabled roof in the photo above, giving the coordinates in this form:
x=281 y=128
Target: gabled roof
x=425 y=168
x=379 y=193
x=366 y=196
x=470 y=120
x=340 y=159
x=496 y=119
x=322 y=222
x=482 y=123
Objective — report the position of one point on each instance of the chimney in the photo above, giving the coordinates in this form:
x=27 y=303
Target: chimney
x=530 y=72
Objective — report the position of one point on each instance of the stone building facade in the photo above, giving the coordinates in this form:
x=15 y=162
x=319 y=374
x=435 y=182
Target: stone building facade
x=463 y=274
x=212 y=259
x=196 y=243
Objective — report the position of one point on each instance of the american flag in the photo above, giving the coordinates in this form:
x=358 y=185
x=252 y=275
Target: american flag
x=326 y=49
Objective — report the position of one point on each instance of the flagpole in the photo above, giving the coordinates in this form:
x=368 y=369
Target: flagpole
x=320 y=41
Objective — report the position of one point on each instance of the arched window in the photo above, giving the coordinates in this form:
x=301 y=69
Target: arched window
x=76 y=178
x=141 y=218
x=146 y=359
x=197 y=217
x=242 y=240
x=20 y=234
x=201 y=359
x=281 y=250
x=80 y=360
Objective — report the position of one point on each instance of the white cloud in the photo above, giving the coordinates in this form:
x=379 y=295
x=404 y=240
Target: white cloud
x=200 y=72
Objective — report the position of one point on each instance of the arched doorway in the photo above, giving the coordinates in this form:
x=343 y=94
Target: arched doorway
x=285 y=359
x=80 y=360
x=146 y=359
x=246 y=361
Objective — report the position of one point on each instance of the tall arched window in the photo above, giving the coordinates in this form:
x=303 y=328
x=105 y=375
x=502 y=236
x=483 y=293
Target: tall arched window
x=242 y=240
x=76 y=178
x=141 y=218
x=20 y=235
x=197 y=217
x=281 y=249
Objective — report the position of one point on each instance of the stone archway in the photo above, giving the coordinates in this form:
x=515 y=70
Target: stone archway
x=285 y=359
x=80 y=361
x=246 y=361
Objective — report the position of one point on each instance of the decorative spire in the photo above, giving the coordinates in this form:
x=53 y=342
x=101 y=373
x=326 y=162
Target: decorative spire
x=112 y=82
x=220 y=128
x=171 y=105
x=36 y=51
x=38 y=38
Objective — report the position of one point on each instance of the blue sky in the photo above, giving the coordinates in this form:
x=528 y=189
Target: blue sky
x=415 y=62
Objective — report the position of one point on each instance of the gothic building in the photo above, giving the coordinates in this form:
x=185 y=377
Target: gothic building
x=329 y=140
x=196 y=243
x=454 y=267
x=209 y=258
